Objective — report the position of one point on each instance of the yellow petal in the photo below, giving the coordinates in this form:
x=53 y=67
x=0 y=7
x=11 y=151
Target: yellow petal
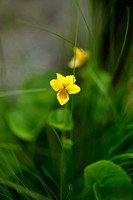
x=81 y=57
x=74 y=61
x=60 y=78
x=56 y=85
x=62 y=96
x=73 y=89
x=70 y=80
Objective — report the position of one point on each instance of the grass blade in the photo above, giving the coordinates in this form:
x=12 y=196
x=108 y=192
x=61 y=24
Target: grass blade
x=43 y=29
x=21 y=189
x=123 y=45
x=18 y=92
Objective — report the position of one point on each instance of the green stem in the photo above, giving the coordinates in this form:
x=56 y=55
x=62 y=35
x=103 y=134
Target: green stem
x=65 y=116
x=43 y=29
x=61 y=178
x=23 y=190
x=62 y=161
x=124 y=42
x=3 y=65
x=18 y=92
x=82 y=14
x=111 y=36
x=95 y=191
x=76 y=36
x=123 y=156
x=90 y=34
x=60 y=142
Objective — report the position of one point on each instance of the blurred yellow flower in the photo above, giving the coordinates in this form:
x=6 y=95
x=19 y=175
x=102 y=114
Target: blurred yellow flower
x=80 y=58
x=64 y=86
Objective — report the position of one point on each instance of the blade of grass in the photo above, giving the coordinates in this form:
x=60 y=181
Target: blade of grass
x=76 y=37
x=50 y=177
x=6 y=196
x=91 y=37
x=21 y=189
x=37 y=175
x=43 y=29
x=122 y=140
x=123 y=45
x=7 y=165
x=74 y=73
x=3 y=65
x=112 y=35
x=18 y=92
x=102 y=90
x=59 y=140
x=63 y=152
x=75 y=45
x=123 y=156
x=82 y=14
x=9 y=146
x=5 y=193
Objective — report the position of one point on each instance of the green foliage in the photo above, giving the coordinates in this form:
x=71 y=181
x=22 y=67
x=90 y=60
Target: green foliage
x=61 y=119
x=28 y=116
x=107 y=181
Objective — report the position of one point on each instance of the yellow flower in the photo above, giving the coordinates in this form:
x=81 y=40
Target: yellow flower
x=80 y=58
x=64 y=86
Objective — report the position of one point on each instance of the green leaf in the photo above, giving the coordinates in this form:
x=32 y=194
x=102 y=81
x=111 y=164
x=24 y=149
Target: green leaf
x=30 y=113
x=107 y=181
x=61 y=119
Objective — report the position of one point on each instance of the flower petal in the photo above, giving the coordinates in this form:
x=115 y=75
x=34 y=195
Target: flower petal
x=60 y=78
x=70 y=80
x=73 y=89
x=80 y=58
x=56 y=85
x=62 y=96
x=74 y=62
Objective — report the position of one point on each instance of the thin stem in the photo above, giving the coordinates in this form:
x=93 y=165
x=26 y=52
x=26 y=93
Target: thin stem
x=43 y=29
x=65 y=116
x=76 y=36
x=18 y=92
x=82 y=14
x=3 y=65
x=123 y=45
x=23 y=190
x=63 y=160
x=71 y=132
x=61 y=163
x=61 y=178
x=95 y=191
x=59 y=140
x=91 y=37
x=111 y=36
x=123 y=156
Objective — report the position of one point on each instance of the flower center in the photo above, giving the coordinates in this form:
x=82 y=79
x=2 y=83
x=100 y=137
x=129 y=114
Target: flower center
x=63 y=94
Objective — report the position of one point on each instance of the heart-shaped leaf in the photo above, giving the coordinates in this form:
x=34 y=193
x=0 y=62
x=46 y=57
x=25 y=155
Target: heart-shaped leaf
x=61 y=119
x=107 y=181
x=27 y=117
